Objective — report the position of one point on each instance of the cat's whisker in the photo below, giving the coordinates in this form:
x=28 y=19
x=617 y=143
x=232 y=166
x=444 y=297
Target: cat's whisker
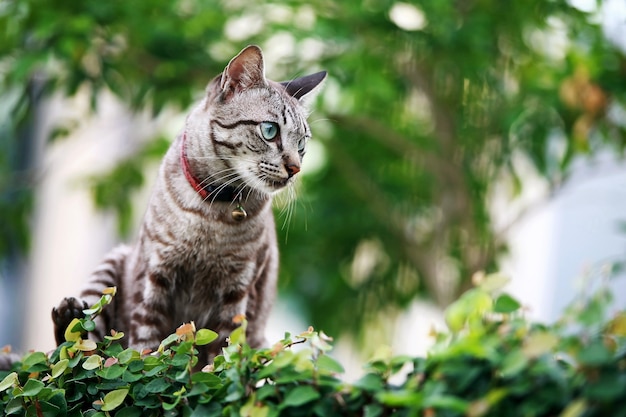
x=218 y=172
x=205 y=182
x=221 y=187
x=287 y=201
x=321 y=119
x=255 y=188
x=291 y=204
x=223 y=158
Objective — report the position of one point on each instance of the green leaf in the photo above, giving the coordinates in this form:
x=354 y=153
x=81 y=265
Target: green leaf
x=513 y=363
x=114 y=399
x=326 y=363
x=58 y=400
x=400 y=398
x=92 y=362
x=59 y=367
x=168 y=341
x=128 y=355
x=576 y=408
x=92 y=311
x=55 y=405
x=253 y=409
x=70 y=334
x=494 y=282
x=205 y=336
x=180 y=360
x=111 y=372
x=110 y=385
x=31 y=388
x=14 y=406
x=372 y=410
x=78 y=325
x=539 y=343
x=184 y=347
x=237 y=336
x=116 y=336
x=212 y=409
x=182 y=376
x=170 y=406
x=595 y=354
x=132 y=376
x=155 y=370
x=593 y=312
x=506 y=304
x=35 y=358
x=136 y=365
x=178 y=395
x=456 y=315
x=447 y=402
x=85 y=345
x=157 y=385
x=9 y=381
x=299 y=396
x=207 y=378
x=370 y=382
x=129 y=412
x=89 y=325
x=198 y=389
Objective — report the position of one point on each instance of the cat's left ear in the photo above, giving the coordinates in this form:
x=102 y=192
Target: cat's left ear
x=305 y=88
x=244 y=71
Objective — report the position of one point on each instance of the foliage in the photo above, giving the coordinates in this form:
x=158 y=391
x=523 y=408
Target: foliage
x=493 y=362
x=419 y=121
x=428 y=123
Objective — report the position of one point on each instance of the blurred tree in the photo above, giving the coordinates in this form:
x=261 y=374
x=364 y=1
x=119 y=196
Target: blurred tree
x=430 y=106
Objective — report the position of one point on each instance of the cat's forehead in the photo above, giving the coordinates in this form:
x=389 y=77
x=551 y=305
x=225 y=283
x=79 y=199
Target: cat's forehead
x=269 y=103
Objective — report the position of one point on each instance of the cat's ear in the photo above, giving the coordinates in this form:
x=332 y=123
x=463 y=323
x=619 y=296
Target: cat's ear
x=305 y=88
x=244 y=71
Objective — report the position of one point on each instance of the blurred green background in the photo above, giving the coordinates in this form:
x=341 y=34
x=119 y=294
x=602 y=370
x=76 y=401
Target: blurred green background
x=428 y=107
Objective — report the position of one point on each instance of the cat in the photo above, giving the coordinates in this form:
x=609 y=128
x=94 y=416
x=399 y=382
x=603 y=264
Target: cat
x=206 y=251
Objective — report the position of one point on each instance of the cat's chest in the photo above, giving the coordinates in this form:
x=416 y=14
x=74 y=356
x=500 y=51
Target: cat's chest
x=222 y=241
x=209 y=254
x=218 y=270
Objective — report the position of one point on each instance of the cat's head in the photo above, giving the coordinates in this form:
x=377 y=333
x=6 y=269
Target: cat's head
x=249 y=130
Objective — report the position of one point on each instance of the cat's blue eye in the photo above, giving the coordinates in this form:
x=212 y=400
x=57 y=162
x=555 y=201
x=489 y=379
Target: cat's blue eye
x=301 y=144
x=269 y=130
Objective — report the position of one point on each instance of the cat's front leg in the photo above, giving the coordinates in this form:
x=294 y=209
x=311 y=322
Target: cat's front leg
x=151 y=316
x=108 y=274
x=260 y=300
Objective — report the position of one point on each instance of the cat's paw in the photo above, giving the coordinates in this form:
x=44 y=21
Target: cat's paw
x=62 y=315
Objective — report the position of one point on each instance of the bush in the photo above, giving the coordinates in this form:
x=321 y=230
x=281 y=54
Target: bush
x=492 y=362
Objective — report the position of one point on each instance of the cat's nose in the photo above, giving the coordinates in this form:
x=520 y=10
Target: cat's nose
x=292 y=169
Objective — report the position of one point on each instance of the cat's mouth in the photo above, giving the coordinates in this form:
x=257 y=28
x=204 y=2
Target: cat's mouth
x=277 y=184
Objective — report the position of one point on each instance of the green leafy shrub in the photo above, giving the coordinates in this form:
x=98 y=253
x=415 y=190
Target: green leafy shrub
x=493 y=362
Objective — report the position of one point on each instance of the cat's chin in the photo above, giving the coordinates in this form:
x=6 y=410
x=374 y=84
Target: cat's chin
x=273 y=187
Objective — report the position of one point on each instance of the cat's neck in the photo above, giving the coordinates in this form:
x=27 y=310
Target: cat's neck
x=207 y=191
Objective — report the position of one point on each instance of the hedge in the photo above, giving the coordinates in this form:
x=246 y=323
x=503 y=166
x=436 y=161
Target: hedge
x=492 y=362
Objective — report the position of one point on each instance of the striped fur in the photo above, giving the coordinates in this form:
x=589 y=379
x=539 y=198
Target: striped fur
x=193 y=260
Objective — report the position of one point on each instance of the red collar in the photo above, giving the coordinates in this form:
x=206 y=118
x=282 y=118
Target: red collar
x=217 y=192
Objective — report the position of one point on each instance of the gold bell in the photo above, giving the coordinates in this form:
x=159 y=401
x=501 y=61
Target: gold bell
x=239 y=214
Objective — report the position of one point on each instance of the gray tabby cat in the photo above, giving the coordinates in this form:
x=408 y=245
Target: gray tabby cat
x=206 y=250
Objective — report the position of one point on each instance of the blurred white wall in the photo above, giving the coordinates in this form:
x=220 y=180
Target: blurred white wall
x=558 y=249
